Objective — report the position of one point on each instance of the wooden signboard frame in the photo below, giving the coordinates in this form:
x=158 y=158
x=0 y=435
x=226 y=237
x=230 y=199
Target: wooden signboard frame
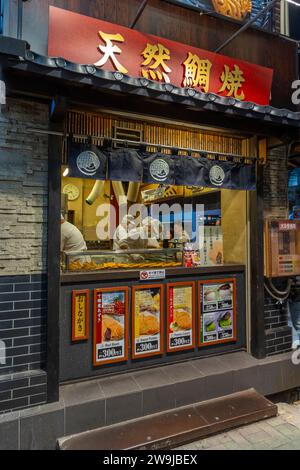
x=124 y=358
x=161 y=323
x=75 y=294
x=234 y=315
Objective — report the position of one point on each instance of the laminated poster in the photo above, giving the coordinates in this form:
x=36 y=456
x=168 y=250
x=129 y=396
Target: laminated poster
x=217 y=311
x=110 y=325
x=181 y=320
x=147 y=320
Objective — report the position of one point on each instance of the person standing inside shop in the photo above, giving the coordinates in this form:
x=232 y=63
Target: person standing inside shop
x=151 y=233
x=71 y=238
x=180 y=235
x=125 y=236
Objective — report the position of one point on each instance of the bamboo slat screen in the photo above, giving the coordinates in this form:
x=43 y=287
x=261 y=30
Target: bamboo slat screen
x=163 y=134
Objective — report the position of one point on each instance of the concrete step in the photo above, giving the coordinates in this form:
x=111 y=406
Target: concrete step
x=178 y=426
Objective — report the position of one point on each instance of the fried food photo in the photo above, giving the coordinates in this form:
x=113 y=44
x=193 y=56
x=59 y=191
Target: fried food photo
x=112 y=330
x=149 y=324
x=182 y=319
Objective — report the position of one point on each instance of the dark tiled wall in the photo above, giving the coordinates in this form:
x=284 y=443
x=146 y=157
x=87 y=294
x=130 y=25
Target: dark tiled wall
x=278 y=333
x=22 y=390
x=275 y=314
x=23 y=302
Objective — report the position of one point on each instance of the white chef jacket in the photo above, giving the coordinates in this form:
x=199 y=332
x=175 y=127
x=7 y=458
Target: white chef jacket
x=71 y=238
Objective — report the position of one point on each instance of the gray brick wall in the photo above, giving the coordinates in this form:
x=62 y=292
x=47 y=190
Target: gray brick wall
x=24 y=188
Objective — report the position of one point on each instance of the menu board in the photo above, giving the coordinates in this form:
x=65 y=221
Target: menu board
x=80 y=315
x=180 y=316
x=110 y=325
x=147 y=320
x=217 y=311
x=211 y=252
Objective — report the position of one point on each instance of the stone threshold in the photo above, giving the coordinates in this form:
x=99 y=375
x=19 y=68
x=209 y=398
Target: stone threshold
x=180 y=426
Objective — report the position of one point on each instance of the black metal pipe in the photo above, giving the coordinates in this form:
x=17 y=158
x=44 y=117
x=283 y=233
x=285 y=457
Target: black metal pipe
x=145 y=144
x=139 y=13
x=1 y=16
x=20 y=19
x=247 y=25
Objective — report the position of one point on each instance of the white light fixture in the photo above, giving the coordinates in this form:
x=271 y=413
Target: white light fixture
x=66 y=172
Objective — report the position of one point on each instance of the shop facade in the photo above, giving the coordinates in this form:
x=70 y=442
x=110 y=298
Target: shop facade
x=103 y=313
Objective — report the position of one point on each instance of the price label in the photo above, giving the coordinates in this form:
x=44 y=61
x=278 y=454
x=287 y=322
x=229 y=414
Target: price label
x=109 y=353
x=181 y=341
x=146 y=347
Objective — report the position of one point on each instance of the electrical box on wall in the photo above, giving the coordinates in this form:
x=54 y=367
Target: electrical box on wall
x=282 y=248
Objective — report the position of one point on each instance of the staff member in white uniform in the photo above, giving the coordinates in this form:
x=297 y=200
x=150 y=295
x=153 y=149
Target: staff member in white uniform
x=152 y=230
x=122 y=236
x=71 y=238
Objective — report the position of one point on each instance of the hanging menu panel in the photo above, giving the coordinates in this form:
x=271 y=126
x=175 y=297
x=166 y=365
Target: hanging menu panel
x=217 y=311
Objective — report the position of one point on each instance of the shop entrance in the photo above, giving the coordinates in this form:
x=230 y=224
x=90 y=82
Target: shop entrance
x=183 y=290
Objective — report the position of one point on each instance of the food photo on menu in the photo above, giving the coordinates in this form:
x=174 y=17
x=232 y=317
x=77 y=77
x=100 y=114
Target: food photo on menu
x=180 y=317
x=147 y=321
x=218 y=326
x=110 y=343
x=217 y=312
x=217 y=293
x=113 y=317
x=149 y=312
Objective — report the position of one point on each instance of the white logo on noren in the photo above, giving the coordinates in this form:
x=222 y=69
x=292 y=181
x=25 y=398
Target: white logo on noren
x=159 y=170
x=88 y=163
x=217 y=175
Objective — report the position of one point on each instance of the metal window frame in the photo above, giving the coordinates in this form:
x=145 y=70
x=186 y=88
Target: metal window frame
x=1 y=16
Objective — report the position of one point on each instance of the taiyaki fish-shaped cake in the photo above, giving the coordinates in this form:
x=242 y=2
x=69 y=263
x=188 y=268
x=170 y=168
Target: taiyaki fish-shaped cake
x=237 y=9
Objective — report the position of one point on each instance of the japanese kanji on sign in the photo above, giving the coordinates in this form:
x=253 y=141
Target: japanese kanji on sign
x=80 y=315
x=112 y=47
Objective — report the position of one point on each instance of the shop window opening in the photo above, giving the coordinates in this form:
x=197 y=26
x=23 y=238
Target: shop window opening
x=155 y=269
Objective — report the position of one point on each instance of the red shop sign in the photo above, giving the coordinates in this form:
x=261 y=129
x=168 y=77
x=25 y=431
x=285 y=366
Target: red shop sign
x=85 y=40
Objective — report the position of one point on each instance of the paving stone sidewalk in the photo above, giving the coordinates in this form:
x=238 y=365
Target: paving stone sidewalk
x=280 y=433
